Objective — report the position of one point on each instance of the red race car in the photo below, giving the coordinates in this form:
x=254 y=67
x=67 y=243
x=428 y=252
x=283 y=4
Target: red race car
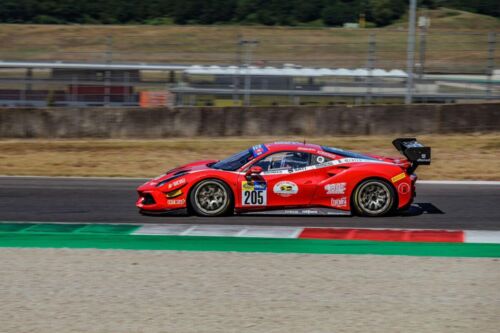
x=290 y=178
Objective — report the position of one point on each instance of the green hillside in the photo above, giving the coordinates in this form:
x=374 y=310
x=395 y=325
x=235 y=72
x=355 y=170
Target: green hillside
x=452 y=19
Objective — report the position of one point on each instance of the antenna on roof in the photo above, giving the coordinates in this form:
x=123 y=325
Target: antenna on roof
x=304 y=141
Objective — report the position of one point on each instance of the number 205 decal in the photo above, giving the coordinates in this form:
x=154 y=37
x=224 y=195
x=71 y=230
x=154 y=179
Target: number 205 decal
x=253 y=194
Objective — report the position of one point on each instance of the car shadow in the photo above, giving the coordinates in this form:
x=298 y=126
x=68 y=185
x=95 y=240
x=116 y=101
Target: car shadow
x=415 y=209
x=421 y=208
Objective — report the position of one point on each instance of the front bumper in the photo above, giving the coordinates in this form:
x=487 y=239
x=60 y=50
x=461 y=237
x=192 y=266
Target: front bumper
x=157 y=201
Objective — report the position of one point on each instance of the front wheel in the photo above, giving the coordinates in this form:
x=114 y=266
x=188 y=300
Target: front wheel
x=211 y=197
x=373 y=197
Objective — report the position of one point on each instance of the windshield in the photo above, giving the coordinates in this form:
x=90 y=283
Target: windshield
x=346 y=153
x=234 y=162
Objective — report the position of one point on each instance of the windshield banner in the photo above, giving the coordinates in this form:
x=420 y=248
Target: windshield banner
x=258 y=150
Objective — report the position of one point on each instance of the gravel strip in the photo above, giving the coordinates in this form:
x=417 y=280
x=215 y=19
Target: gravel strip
x=63 y=290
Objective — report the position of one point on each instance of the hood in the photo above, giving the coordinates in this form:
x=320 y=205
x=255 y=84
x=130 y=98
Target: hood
x=179 y=171
x=194 y=166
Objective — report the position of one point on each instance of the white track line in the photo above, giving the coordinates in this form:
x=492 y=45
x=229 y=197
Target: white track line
x=479 y=236
x=470 y=236
x=459 y=182
x=220 y=230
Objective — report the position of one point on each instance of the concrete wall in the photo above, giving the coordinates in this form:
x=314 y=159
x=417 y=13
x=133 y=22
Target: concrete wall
x=307 y=121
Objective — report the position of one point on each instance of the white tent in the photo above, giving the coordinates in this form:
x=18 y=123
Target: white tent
x=292 y=71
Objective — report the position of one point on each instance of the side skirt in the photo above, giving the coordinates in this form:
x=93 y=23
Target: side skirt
x=321 y=211
x=172 y=212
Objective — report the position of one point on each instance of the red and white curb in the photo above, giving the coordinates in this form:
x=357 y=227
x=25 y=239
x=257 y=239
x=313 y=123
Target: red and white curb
x=388 y=235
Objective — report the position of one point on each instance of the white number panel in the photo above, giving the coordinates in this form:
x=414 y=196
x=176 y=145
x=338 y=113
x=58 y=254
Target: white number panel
x=253 y=193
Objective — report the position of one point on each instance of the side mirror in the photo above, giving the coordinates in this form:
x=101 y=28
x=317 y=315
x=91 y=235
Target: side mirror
x=253 y=171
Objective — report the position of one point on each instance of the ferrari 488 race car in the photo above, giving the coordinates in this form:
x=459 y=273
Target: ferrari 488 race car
x=290 y=178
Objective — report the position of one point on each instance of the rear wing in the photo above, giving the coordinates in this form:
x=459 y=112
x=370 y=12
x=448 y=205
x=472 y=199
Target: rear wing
x=414 y=151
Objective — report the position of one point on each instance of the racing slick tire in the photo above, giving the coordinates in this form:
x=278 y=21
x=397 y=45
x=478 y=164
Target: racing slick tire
x=374 y=197
x=211 y=197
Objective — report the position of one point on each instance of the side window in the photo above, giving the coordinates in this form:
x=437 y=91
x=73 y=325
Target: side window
x=284 y=160
x=318 y=159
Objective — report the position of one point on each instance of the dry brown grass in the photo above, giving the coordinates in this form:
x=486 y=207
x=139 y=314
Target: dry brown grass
x=332 y=47
x=454 y=156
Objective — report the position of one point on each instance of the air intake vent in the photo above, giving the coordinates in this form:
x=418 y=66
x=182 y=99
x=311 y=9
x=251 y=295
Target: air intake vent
x=148 y=199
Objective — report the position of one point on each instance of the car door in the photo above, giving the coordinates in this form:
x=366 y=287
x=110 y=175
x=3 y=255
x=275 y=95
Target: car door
x=287 y=180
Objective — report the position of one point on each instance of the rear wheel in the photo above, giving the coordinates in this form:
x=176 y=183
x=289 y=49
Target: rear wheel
x=373 y=197
x=211 y=197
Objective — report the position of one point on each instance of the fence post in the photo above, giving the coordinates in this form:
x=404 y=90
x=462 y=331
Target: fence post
x=249 y=44
x=74 y=91
x=107 y=74
x=422 y=47
x=491 y=61
x=410 y=52
x=126 y=84
x=237 y=74
x=370 y=66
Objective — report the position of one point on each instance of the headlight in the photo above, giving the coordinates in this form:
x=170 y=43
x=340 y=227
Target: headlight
x=174 y=194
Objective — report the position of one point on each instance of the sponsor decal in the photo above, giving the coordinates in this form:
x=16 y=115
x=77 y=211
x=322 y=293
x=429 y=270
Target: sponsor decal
x=298 y=169
x=341 y=202
x=324 y=165
x=320 y=159
x=398 y=177
x=306 y=149
x=176 y=201
x=301 y=212
x=326 y=154
x=403 y=188
x=253 y=193
x=278 y=171
x=177 y=182
x=285 y=188
x=258 y=150
x=287 y=143
x=335 y=188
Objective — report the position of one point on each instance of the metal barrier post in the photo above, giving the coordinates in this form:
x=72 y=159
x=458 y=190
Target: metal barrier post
x=107 y=75
x=237 y=74
x=410 y=52
x=491 y=61
x=248 y=61
x=370 y=66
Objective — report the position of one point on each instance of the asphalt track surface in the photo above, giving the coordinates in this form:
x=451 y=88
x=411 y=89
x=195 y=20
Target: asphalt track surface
x=437 y=206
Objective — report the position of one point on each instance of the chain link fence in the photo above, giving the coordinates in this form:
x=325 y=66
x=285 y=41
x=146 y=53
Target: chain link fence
x=449 y=65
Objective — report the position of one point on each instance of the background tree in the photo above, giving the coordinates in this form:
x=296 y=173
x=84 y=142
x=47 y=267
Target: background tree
x=268 y=12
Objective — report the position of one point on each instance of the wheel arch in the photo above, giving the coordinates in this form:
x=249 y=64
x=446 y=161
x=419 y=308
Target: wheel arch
x=395 y=204
x=199 y=180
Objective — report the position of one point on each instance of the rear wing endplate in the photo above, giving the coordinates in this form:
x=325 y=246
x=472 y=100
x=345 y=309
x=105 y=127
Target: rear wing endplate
x=414 y=151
